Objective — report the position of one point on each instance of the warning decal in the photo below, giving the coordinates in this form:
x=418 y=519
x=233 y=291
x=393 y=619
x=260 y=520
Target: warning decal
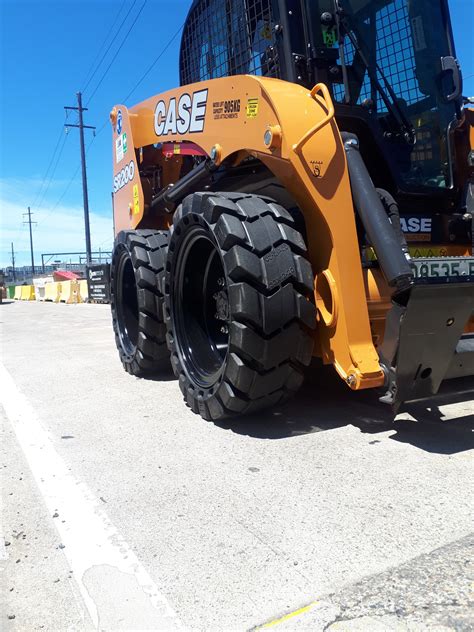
x=136 y=200
x=252 y=108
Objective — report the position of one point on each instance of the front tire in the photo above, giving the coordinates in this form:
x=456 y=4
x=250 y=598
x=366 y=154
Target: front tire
x=238 y=303
x=137 y=270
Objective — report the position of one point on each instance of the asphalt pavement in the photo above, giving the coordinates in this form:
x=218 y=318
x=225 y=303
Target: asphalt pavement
x=122 y=510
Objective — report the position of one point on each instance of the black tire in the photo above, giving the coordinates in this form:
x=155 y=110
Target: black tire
x=137 y=275
x=242 y=345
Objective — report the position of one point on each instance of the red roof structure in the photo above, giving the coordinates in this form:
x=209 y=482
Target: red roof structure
x=65 y=275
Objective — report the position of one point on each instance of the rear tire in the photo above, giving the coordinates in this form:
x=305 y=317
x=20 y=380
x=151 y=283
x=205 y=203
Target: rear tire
x=238 y=303
x=137 y=270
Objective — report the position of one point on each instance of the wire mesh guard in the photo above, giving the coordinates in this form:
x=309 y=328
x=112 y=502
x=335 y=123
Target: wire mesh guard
x=228 y=37
x=394 y=56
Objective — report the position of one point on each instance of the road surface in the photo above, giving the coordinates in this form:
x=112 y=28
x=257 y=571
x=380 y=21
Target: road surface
x=122 y=510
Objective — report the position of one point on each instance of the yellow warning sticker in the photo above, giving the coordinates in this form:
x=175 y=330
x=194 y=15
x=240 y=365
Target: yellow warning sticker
x=266 y=32
x=439 y=251
x=136 y=200
x=430 y=251
x=252 y=108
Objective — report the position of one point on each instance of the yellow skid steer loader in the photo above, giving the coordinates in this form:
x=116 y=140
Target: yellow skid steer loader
x=307 y=191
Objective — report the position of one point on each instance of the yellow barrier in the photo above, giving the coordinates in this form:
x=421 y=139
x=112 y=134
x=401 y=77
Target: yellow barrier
x=69 y=292
x=17 y=295
x=52 y=292
x=83 y=291
x=27 y=292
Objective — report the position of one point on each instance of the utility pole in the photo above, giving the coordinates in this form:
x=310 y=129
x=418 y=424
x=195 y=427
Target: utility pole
x=31 y=239
x=85 y=196
x=13 y=264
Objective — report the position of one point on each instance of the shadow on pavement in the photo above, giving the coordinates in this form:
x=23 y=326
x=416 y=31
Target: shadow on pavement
x=161 y=376
x=325 y=403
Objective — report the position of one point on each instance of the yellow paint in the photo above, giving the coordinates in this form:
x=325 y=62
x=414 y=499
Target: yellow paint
x=52 y=292
x=136 y=200
x=27 y=293
x=290 y=615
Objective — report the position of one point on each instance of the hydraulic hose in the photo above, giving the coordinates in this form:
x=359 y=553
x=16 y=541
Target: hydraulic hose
x=393 y=213
x=375 y=220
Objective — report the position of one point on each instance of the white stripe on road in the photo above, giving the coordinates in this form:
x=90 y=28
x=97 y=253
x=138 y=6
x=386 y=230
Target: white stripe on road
x=92 y=545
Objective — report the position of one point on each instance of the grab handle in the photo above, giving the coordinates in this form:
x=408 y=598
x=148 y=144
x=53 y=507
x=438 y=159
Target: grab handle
x=322 y=89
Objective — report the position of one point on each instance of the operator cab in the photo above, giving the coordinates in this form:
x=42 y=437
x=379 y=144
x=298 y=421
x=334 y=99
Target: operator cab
x=391 y=69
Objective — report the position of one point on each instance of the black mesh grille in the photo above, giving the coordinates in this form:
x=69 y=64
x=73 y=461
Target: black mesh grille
x=228 y=37
x=395 y=57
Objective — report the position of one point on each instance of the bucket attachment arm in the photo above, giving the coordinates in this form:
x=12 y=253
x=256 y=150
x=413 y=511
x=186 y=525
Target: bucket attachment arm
x=424 y=341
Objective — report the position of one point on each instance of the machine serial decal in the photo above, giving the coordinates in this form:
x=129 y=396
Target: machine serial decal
x=124 y=177
x=182 y=117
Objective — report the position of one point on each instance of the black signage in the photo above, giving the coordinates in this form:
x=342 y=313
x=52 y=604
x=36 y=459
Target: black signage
x=98 y=282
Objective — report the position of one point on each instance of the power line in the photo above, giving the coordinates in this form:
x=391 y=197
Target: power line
x=40 y=190
x=147 y=72
x=101 y=129
x=104 y=42
x=110 y=46
x=52 y=173
x=117 y=51
x=150 y=68
x=69 y=184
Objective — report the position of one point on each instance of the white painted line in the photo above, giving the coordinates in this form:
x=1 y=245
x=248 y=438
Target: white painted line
x=92 y=545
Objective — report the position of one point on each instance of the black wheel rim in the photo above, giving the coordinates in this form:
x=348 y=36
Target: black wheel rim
x=127 y=304
x=201 y=308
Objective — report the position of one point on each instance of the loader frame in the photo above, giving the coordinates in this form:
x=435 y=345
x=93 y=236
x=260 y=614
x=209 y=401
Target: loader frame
x=261 y=135
x=291 y=131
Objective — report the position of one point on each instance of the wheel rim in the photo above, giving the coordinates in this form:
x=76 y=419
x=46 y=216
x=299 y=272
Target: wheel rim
x=201 y=308
x=127 y=304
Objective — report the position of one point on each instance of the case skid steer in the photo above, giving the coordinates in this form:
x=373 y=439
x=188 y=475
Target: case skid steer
x=307 y=191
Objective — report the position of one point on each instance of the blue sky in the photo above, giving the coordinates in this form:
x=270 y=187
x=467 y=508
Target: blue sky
x=48 y=49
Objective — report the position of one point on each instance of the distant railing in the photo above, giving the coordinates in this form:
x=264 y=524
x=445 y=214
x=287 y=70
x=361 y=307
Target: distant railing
x=52 y=261
x=98 y=256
